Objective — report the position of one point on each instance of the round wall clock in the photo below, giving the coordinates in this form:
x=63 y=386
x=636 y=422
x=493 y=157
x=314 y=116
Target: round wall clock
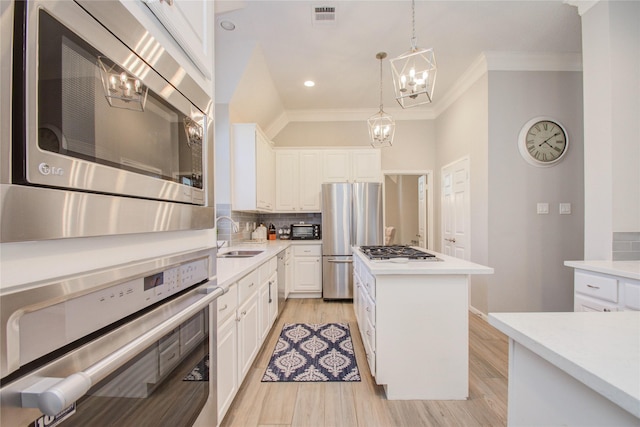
x=543 y=141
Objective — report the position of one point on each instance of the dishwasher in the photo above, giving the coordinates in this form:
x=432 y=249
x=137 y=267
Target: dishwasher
x=284 y=262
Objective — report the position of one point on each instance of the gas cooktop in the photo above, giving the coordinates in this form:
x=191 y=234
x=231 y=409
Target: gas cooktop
x=396 y=251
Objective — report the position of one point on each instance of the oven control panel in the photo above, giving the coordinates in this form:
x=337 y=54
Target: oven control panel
x=52 y=327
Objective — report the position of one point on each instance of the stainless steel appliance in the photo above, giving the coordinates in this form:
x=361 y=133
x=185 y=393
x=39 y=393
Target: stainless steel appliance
x=112 y=346
x=305 y=232
x=284 y=259
x=397 y=253
x=109 y=134
x=351 y=216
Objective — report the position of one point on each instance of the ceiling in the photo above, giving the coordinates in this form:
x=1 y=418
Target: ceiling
x=341 y=58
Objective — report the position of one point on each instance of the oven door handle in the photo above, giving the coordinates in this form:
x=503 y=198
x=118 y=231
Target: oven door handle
x=52 y=395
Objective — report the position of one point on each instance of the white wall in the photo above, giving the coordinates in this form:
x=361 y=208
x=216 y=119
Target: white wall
x=462 y=130
x=611 y=53
x=527 y=250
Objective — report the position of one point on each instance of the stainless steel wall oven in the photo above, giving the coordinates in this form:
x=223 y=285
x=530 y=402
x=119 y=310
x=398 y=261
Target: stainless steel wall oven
x=121 y=346
x=107 y=129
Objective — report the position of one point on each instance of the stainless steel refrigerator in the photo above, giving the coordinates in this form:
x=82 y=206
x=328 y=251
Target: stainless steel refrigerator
x=351 y=216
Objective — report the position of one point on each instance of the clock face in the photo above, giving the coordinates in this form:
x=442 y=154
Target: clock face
x=543 y=142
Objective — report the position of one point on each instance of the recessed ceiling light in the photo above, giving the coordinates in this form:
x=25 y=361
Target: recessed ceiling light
x=228 y=25
x=309 y=83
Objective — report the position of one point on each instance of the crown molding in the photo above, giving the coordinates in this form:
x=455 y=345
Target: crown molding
x=582 y=5
x=527 y=61
x=476 y=70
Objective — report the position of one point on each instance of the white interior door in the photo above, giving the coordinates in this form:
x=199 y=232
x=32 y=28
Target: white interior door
x=422 y=211
x=456 y=209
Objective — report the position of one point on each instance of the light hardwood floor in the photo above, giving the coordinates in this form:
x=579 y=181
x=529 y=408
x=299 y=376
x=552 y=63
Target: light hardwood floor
x=364 y=403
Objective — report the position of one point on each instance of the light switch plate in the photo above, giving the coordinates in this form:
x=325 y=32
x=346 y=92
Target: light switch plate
x=543 y=208
x=565 y=208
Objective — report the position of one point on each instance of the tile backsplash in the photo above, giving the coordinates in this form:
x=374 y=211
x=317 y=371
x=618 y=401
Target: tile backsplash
x=247 y=222
x=626 y=246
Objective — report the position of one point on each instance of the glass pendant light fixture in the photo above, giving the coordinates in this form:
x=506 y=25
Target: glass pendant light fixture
x=381 y=125
x=414 y=72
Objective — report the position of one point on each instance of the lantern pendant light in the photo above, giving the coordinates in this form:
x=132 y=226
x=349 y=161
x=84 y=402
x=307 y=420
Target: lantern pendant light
x=414 y=72
x=381 y=125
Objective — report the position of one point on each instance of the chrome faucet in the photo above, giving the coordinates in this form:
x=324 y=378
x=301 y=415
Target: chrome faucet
x=234 y=226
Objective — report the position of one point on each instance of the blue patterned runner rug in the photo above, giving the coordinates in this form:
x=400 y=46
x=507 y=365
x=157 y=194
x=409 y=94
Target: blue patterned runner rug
x=314 y=353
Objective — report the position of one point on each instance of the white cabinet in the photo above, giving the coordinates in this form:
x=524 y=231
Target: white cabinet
x=365 y=309
x=594 y=291
x=268 y=296
x=352 y=165
x=244 y=318
x=307 y=269
x=253 y=169
x=190 y=24
x=227 y=366
x=298 y=180
x=248 y=334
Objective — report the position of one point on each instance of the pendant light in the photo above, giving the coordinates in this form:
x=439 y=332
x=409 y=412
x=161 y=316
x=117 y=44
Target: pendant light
x=381 y=125
x=414 y=72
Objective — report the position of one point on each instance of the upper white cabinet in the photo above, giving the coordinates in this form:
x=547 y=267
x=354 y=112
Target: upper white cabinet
x=253 y=169
x=352 y=165
x=298 y=179
x=190 y=24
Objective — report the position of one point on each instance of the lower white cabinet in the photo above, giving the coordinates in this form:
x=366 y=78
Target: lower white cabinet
x=307 y=269
x=245 y=316
x=268 y=297
x=594 y=291
x=227 y=367
x=249 y=338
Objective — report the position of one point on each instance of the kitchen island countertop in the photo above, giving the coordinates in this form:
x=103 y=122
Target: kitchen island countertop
x=599 y=350
x=448 y=265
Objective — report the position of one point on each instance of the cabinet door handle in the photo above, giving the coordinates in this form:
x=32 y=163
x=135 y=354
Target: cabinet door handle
x=250 y=285
x=223 y=308
x=270 y=300
x=593 y=287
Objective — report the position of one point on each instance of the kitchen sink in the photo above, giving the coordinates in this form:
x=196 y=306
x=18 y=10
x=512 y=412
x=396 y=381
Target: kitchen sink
x=239 y=254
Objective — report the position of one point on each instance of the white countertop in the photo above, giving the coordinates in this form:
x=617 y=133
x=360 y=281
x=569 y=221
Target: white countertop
x=628 y=269
x=231 y=269
x=448 y=265
x=601 y=350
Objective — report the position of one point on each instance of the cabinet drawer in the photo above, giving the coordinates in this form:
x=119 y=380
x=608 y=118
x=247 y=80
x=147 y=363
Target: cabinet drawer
x=597 y=286
x=370 y=310
x=267 y=269
x=247 y=286
x=307 y=250
x=369 y=283
x=227 y=304
x=169 y=357
x=632 y=296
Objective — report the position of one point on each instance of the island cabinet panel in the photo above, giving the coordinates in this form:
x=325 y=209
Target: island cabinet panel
x=422 y=337
x=414 y=326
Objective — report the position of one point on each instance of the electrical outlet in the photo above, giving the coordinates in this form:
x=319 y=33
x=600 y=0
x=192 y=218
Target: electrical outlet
x=543 y=208
x=565 y=208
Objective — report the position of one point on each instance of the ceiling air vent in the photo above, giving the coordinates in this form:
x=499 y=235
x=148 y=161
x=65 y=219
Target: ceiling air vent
x=323 y=15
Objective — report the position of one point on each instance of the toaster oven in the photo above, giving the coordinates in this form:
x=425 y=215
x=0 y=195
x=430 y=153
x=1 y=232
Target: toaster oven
x=305 y=232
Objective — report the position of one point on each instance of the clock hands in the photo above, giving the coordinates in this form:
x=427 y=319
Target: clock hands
x=545 y=141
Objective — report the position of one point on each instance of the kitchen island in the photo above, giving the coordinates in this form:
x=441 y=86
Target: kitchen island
x=413 y=319
x=572 y=368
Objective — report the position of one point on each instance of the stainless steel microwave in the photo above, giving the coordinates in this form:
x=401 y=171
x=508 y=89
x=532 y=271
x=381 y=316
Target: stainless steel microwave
x=103 y=116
